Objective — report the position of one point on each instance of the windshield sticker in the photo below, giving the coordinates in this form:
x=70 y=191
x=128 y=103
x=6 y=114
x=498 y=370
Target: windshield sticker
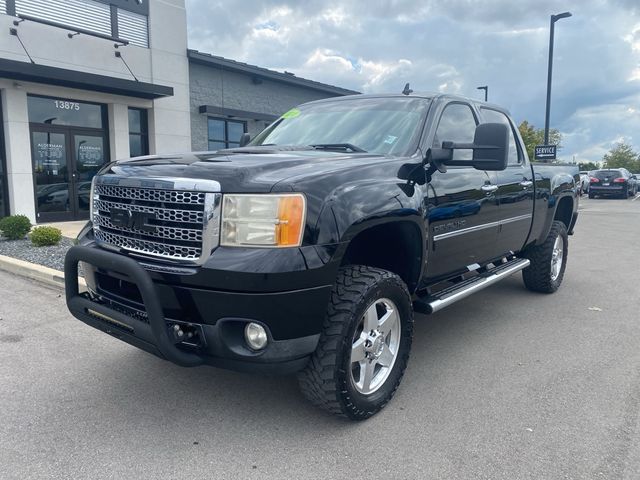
x=293 y=113
x=390 y=139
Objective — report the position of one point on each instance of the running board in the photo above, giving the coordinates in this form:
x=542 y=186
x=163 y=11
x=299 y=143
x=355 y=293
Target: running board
x=432 y=303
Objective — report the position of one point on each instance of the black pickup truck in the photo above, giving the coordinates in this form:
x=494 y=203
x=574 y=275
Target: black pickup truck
x=308 y=249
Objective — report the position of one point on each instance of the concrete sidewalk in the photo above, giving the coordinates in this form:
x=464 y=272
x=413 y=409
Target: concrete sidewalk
x=68 y=229
x=33 y=271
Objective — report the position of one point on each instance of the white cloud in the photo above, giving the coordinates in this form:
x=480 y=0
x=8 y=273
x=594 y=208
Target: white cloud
x=450 y=46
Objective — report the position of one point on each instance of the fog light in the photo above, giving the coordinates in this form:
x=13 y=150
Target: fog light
x=256 y=336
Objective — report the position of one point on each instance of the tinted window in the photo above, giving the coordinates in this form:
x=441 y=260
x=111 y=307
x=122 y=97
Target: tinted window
x=493 y=116
x=62 y=111
x=457 y=124
x=224 y=133
x=138 y=135
x=135 y=120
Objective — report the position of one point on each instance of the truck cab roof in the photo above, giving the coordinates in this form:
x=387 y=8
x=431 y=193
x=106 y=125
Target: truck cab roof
x=444 y=97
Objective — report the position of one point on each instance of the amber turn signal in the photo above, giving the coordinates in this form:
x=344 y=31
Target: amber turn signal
x=290 y=221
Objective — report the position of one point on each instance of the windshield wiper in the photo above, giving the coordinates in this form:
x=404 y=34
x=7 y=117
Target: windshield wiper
x=338 y=146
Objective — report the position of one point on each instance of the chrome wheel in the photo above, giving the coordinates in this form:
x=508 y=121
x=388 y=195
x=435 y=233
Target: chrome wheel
x=556 y=258
x=375 y=346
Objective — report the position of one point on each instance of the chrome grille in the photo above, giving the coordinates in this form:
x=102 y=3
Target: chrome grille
x=191 y=198
x=188 y=216
x=161 y=233
x=167 y=218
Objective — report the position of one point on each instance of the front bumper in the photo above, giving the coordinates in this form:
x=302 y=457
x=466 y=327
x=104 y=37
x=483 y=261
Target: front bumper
x=151 y=323
x=611 y=190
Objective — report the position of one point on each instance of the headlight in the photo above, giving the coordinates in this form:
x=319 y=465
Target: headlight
x=270 y=220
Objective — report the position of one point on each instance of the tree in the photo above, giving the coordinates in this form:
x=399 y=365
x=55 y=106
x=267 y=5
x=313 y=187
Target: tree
x=587 y=166
x=622 y=156
x=533 y=136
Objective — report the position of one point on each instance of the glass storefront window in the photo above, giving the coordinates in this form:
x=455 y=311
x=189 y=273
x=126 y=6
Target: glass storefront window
x=138 y=132
x=4 y=201
x=62 y=111
x=4 y=204
x=225 y=133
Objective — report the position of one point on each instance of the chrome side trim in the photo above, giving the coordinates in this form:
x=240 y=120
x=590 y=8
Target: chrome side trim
x=483 y=226
x=516 y=219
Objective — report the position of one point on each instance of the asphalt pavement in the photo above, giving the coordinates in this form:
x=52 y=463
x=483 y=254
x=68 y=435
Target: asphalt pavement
x=506 y=384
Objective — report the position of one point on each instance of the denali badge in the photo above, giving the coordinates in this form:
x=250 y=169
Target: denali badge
x=449 y=226
x=136 y=220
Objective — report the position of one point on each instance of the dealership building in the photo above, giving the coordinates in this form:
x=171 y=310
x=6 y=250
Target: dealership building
x=85 y=82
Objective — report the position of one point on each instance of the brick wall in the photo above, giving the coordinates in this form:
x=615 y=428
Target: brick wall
x=241 y=93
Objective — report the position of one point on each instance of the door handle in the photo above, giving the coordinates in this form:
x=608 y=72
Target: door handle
x=489 y=188
x=526 y=183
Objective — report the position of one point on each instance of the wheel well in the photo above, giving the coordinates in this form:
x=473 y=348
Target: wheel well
x=396 y=247
x=564 y=211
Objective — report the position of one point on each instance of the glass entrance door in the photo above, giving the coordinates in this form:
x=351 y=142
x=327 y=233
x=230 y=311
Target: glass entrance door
x=51 y=169
x=88 y=157
x=64 y=162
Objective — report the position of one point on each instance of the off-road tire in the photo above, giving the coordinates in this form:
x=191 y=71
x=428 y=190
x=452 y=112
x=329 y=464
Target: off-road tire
x=537 y=276
x=326 y=380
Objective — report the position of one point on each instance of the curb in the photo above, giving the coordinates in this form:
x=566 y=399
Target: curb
x=33 y=271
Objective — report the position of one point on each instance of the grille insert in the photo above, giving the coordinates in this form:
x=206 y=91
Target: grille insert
x=168 y=196
x=174 y=224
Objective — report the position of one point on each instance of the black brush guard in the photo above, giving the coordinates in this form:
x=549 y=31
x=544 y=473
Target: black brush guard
x=153 y=337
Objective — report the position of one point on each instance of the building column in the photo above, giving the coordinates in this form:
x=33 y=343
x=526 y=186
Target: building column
x=170 y=117
x=118 y=131
x=18 y=152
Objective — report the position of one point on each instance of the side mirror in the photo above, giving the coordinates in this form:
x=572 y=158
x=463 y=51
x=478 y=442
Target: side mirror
x=490 y=148
x=245 y=139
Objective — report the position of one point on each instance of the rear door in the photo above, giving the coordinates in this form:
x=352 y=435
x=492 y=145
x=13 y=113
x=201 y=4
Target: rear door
x=515 y=193
x=462 y=209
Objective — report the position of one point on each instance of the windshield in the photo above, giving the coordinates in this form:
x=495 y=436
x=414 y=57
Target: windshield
x=384 y=126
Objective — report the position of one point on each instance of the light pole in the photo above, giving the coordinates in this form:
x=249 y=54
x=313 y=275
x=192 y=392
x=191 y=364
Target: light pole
x=554 y=19
x=486 y=91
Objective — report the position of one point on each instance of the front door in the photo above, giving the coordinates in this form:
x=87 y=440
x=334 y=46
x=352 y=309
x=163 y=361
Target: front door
x=64 y=162
x=462 y=206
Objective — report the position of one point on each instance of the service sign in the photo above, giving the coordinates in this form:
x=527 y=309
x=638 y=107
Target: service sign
x=545 y=152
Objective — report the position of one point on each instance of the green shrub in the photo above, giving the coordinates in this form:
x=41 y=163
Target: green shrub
x=15 y=227
x=44 y=236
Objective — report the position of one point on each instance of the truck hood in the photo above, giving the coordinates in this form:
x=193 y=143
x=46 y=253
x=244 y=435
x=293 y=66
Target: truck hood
x=248 y=170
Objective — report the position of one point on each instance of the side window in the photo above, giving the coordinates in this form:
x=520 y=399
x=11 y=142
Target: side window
x=457 y=124
x=493 y=116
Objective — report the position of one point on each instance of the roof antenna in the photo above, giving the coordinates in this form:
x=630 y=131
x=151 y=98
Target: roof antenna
x=407 y=90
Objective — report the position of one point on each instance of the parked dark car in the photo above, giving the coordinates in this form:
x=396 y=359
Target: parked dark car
x=618 y=182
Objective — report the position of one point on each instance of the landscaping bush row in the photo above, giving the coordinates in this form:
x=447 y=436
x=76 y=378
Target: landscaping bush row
x=16 y=227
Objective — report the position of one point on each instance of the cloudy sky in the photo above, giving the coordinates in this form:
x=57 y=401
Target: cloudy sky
x=452 y=46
